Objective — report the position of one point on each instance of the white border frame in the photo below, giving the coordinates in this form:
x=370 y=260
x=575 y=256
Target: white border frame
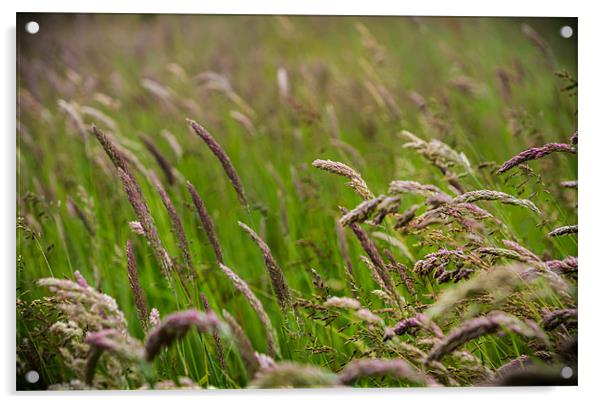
x=590 y=68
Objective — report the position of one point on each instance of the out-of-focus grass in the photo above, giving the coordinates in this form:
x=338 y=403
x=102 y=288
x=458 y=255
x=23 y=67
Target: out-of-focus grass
x=328 y=61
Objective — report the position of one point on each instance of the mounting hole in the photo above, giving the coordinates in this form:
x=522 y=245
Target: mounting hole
x=32 y=27
x=566 y=372
x=32 y=376
x=566 y=31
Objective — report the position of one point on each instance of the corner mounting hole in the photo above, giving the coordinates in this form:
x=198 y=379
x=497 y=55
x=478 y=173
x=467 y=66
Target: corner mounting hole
x=32 y=376
x=566 y=372
x=566 y=31
x=32 y=27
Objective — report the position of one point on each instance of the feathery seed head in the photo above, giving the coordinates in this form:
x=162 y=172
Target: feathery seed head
x=535 y=153
x=356 y=180
x=563 y=230
x=488 y=195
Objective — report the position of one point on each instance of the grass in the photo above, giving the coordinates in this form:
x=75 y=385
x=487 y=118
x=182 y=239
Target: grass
x=365 y=71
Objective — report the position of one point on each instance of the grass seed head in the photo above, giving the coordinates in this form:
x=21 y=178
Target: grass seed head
x=296 y=375
x=163 y=161
x=139 y=295
x=563 y=230
x=276 y=274
x=224 y=159
x=243 y=344
x=555 y=318
x=174 y=327
x=357 y=182
x=362 y=211
x=488 y=195
x=243 y=287
x=176 y=224
x=477 y=327
x=397 y=368
x=536 y=153
x=566 y=265
x=215 y=334
x=206 y=221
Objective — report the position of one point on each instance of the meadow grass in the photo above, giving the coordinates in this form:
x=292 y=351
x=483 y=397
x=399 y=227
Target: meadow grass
x=276 y=94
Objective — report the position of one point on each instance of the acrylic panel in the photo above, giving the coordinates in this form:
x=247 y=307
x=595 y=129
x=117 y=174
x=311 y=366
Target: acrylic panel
x=223 y=201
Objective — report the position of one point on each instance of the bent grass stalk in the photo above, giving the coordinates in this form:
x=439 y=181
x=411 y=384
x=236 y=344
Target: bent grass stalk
x=488 y=195
x=176 y=225
x=215 y=334
x=139 y=296
x=376 y=259
x=535 y=153
x=396 y=368
x=563 y=230
x=356 y=180
x=243 y=287
x=206 y=222
x=223 y=158
x=477 y=327
x=145 y=219
x=136 y=198
x=243 y=344
x=163 y=162
x=277 y=276
x=174 y=327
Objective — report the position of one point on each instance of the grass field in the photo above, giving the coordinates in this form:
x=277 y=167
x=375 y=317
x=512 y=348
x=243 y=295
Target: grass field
x=442 y=102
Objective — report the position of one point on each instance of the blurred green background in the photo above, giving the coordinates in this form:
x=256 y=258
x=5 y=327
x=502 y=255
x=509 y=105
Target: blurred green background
x=481 y=85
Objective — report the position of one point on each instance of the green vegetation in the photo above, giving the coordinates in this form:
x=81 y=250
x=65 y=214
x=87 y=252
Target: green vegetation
x=278 y=93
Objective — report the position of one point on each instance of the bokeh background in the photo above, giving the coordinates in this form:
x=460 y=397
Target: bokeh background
x=488 y=87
